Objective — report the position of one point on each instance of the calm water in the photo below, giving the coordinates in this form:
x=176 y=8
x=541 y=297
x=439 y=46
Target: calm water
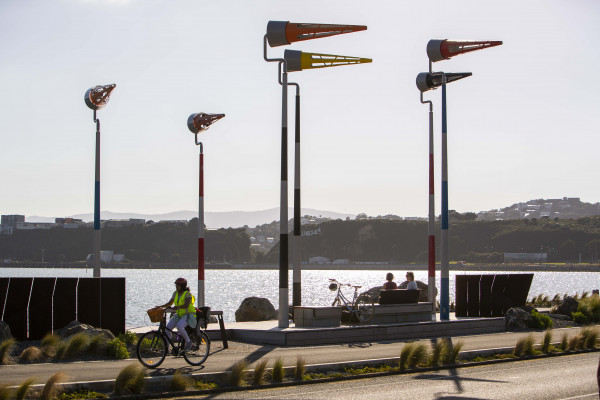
x=227 y=288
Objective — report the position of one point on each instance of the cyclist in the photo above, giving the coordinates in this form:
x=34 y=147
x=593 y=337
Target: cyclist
x=183 y=302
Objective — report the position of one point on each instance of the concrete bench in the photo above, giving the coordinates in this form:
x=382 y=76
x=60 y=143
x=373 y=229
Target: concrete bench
x=400 y=313
x=310 y=317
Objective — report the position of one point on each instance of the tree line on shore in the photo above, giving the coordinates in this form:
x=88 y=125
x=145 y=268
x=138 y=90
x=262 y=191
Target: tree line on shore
x=373 y=240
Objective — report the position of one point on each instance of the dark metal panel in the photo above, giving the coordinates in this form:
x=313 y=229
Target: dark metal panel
x=40 y=307
x=113 y=304
x=498 y=298
x=473 y=295
x=88 y=301
x=485 y=295
x=65 y=302
x=15 y=312
x=517 y=289
x=460 y=301
x=3 y=289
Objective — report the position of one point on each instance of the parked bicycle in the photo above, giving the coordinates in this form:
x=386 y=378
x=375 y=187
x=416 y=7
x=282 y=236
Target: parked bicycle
x=153 y=346
x=361 y=309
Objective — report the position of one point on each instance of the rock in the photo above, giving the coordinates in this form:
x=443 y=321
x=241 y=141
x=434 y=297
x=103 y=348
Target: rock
x=517 y=319
x=371 y=294
x=75 y=327
x=567 y=306
x=255 y=309
x=529 y=309
x=421 y=285
x=5 y=332
x=559 y=316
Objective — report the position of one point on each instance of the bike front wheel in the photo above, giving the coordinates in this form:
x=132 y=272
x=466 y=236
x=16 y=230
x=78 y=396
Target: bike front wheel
x=152 y=349
x=366 y=310
x=200 y=349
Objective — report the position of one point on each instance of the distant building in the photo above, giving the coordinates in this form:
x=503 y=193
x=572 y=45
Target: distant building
x=107 y=256
x=174 y=221
x=35 y=225
x=341 y=261
x=120 y=223
x=525 y=257
x=69 y=223
x=319 y=260
x=9 y=223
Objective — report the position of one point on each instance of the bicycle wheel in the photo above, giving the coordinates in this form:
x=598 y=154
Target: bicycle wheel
x=152 y=349
x=200 y=349
x=366 y=310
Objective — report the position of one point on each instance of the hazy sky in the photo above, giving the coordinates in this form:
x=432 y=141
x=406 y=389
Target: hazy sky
x=523 y=126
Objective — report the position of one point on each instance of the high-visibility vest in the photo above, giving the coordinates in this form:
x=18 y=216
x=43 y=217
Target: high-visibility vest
x=180 y=301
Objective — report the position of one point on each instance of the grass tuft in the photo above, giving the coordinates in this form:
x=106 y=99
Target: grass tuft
x=50 y=340
x=453 y=351
x=437 y=352
x=236 y=377
x=23 y=388
x=525 y=346
x=180 y=382
x=5 y=392
x=300 y=368
x=50 y=389
x=31 y=354
x=77 y=344
x=546 y=342
x=98 y=345
x=590 y=337
x=405 y=353
x=6 y=348
x=129 y=338
x=418 y=355
x=278 y=372
x=117 y=349
x=130 y=380
x=576 y=342
x=258 y=378
x=564 y=342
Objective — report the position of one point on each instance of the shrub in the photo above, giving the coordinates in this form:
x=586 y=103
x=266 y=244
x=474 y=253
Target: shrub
x=576 y=342
x=258 y=377
x=50 y=340
x=98 y=345
x=31 y=354
x=6 y=348
x=130 y=380
x=236 y=377
x=117 y=349
x=80 y=394
x=5 y=392
x=23 y=388
x=50 y=388
x=589 y=307
x=437 y=352
x=201 y=385
x=129 y=338
x=580 y=318
x=300 y=368
x=405 y=353
x=524 y=346
x=452 y=351
x=278 y=372
x=418 y=355
x=546 y=342
x=590 y=337
x=564 y=342
x=77 y=344
x=540 y=321
x=180 y=382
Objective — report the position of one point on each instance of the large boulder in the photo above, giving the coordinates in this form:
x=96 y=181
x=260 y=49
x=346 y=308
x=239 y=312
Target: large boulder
x=75 y=327
x=5 y=332
x=517 y=319
x=255 y=309
x=423 y=294
x=567 y=306
x=371 y=294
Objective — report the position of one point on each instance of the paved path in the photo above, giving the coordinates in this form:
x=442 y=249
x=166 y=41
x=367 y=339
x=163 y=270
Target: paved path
x=221 y=360
x=566 y=378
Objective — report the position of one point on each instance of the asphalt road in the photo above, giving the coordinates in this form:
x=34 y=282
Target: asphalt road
x=566 y=377
x=222 y=360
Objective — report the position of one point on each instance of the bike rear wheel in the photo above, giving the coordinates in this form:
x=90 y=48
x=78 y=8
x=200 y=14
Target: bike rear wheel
x=200 y=349
x=366 y=310
x=152 y=349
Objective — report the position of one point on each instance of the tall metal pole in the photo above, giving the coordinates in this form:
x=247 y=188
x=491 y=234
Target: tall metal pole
x=284 y=301
x=96 y=236
x=201 y=295
x=431 y=226
x=297 y=269
x=445 y=262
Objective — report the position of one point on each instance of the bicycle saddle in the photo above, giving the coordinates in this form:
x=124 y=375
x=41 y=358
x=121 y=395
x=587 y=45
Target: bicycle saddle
x=356 y=287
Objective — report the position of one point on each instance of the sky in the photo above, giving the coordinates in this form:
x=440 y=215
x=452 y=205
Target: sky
x=522 y=127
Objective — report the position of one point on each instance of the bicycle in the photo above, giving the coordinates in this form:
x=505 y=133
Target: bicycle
x=361 y=308
x=153 y=346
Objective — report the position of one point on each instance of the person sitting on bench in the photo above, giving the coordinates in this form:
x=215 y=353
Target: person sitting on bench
x=390 y=284
x=412 y=285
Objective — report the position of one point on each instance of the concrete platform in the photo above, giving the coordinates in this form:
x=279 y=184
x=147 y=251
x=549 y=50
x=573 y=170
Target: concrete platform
x=267 y=332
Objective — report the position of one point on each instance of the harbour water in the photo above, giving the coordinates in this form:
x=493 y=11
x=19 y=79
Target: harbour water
x=225 y=289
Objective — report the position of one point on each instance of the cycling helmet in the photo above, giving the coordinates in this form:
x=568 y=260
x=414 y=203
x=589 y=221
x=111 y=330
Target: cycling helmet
x=181 y=281
x=333 y=287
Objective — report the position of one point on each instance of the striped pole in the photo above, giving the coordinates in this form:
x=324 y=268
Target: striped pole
x=431 y=229
x=284 y=301
x=445 y=264
x=201 y=294
x=297 y=269
x=96 y=236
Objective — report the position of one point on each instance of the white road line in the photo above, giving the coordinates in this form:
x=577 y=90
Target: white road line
x=580 y=397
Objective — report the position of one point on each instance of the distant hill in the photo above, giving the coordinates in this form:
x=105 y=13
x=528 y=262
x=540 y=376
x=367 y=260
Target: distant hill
x=565 y=208
x=224 y=219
